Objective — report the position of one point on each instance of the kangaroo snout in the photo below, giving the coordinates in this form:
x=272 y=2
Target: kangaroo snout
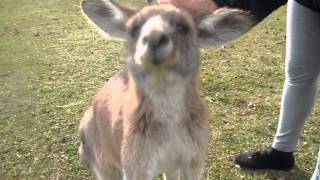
x=155 y=45
x=155 y=48
x=156 y=40
x=159 y=46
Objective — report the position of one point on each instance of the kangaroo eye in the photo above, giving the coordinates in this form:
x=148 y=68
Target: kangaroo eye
x=182 y=28
x=134 y=31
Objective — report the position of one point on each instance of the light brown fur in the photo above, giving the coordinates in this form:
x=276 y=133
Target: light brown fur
x=150 y=119
x=122 y=124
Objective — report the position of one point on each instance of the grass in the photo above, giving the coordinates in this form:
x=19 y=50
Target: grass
x=52 y=62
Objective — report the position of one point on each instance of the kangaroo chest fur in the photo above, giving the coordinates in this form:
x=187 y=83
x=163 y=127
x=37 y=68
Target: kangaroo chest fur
x=169 y=110
x=163 y=133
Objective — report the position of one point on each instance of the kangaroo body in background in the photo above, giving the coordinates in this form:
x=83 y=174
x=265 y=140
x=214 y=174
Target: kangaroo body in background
x=150 y=119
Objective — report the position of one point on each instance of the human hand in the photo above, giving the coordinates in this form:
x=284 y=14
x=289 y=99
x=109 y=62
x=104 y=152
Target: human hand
x=197 y=6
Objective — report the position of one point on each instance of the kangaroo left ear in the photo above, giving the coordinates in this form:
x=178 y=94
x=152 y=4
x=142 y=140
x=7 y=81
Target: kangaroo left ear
x=226 y=25
x=108 y=16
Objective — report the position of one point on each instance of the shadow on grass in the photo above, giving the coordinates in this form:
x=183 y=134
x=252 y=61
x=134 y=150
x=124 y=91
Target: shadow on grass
x=295 y=174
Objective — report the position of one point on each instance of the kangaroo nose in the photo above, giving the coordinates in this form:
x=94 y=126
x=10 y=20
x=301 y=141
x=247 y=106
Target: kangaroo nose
x=156 y=40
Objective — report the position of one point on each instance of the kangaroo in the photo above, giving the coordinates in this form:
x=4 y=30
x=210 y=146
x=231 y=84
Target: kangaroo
x=150 y=119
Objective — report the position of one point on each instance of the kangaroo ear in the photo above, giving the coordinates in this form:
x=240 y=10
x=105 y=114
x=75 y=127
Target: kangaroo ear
x=108 y=16
x=226 y=25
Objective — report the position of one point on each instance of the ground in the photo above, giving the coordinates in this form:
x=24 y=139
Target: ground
x=52 y=61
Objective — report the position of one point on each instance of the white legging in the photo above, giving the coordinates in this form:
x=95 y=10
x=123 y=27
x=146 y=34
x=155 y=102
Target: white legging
x=302 y=71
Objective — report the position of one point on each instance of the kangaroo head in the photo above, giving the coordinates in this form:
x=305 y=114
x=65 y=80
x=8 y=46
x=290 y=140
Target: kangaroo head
x=163 y=36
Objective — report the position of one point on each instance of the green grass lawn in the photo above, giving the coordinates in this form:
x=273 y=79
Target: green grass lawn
x=52 y=62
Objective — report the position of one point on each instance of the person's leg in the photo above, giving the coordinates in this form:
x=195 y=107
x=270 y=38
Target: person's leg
x=302 y=70
x=316 y=174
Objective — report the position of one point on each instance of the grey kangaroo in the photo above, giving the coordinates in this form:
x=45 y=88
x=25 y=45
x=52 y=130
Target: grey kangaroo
x=150 y=118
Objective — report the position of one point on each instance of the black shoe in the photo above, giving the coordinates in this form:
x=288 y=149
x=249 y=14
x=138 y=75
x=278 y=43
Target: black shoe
x=266 y=159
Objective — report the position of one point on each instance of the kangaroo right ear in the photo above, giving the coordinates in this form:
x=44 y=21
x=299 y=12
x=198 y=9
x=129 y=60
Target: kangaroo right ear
x=108 y=16
x=220 y=28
